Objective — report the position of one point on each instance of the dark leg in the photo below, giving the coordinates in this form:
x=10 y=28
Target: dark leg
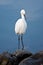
x=18 y=41
x=22 y=42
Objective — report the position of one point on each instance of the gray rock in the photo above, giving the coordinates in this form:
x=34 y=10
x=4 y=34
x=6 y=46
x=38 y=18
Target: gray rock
x=21 y=54
x=36 y=59
x=38 y=55
x=21 y=57
x=14 y=58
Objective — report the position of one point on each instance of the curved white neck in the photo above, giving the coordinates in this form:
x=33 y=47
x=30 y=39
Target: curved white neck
x=22 y=16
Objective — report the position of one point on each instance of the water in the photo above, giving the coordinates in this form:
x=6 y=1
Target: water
x=9 y=13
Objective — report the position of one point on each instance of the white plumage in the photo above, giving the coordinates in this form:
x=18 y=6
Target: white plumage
x=21 y=25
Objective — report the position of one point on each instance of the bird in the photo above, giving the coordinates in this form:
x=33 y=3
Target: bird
x=20 y=28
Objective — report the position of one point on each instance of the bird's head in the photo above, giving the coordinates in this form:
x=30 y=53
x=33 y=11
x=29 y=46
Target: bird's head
x=22 y=12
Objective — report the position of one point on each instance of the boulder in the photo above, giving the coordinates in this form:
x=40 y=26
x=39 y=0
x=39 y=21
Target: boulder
x=35 y=59
x=14 y=58
x=38 y=55
x=6 y=59
x=21 y=54
x=21 y=57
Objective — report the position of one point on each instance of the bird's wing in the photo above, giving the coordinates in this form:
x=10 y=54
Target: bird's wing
x=18 y=25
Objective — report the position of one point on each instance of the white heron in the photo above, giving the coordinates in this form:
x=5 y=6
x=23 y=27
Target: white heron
x=20 y=28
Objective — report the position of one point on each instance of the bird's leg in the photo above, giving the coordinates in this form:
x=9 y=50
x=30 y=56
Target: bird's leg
x=20 y=38
x=18 y=41
x=22 y=42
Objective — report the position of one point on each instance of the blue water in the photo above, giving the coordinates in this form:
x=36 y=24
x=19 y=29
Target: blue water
x=9 y=13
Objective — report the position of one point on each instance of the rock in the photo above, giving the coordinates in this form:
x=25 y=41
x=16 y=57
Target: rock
x=21 y=57
x=0 y=59
x=31 y=61
x=38 y=55
x=36 y=59
x=14 y=58
x=21 y=54
x=4 y=62
x=6 y=59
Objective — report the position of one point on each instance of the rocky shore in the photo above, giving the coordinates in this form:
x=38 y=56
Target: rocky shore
x=21 y=57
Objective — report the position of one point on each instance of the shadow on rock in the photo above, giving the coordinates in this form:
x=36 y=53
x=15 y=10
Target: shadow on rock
x=36 y=59
x=14 y=58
